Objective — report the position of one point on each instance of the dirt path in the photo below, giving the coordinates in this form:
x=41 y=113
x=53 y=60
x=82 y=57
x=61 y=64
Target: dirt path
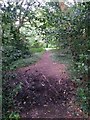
x=48 y=68
x=47 y=91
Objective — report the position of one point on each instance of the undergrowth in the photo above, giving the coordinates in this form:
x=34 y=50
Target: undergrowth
x=26 y=61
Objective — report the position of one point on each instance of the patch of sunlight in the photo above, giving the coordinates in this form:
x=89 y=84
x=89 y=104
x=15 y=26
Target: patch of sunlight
x=47 y=49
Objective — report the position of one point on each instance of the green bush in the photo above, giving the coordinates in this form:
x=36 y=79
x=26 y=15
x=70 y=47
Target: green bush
x=14 y=116
x=35 y=50
x=26 y=61
x=11 y=54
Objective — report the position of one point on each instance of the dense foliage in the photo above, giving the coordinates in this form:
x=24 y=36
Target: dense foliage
x=70 y=30
x=18 y=43
x=22 y=22
x=17 y=30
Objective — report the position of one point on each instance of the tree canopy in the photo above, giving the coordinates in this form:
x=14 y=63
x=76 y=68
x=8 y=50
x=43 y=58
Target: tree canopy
x=27 y=25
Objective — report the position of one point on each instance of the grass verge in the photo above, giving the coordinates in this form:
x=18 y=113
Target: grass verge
x=63 y=58
x=26 y=61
